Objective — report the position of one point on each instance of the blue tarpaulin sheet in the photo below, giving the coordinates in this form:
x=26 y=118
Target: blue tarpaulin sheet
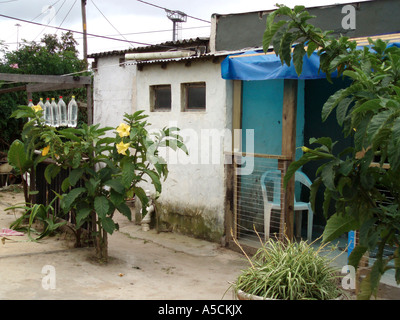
x=255 y=65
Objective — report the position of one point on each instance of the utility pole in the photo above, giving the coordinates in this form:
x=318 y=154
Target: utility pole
x=85 y=58
x=83 y=6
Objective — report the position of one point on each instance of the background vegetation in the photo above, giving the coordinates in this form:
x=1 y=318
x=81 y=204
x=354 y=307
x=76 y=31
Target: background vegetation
x=52 y=55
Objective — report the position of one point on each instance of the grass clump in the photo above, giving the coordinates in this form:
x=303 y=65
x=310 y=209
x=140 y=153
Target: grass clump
x=289 y=271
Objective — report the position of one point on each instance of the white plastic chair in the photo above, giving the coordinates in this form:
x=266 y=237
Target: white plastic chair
x=271 y=191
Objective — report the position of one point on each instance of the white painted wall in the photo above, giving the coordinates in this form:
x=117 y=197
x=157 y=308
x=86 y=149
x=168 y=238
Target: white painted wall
x=196 y=181
x=195 y=184
x=114 y=87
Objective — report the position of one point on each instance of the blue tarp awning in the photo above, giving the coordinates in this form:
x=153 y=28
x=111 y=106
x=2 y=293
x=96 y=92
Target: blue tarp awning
x=255 y=65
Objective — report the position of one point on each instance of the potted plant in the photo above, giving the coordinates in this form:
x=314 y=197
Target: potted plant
x=288 y=270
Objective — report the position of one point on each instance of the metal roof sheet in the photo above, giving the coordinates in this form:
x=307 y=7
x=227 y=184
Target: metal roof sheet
x=199 y=41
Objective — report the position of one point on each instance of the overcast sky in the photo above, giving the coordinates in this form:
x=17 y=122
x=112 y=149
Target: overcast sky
x=135 y=20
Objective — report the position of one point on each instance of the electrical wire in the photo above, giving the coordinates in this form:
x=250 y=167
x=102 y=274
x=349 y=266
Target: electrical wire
x=108 y=21
x=166 y=9
x=70 y=9
x=73 y=31
x=50 y=21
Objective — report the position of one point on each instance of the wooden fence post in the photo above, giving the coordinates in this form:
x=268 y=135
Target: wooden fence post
x=289 y=113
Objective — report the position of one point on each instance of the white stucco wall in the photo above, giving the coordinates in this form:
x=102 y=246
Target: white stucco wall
x=114 y=87
x=195 y=184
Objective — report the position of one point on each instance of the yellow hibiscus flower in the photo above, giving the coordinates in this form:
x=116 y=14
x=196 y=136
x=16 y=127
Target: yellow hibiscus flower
x=37 y=108
x=45 y=150
x=123 y=130
x=122 y=147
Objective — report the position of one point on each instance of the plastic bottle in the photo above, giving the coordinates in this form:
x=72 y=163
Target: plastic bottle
x=41 y=104
x=62 y=109
x=55 y=115
x=48 y=119
x=72 y=113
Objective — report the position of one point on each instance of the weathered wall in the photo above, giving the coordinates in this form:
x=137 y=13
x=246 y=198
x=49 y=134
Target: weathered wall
x=113 y=91
x=238 y=31
x=192 y=201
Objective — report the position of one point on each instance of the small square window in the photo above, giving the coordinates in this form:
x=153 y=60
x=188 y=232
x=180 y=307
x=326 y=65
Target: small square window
x=194 y=96
x=160 y=98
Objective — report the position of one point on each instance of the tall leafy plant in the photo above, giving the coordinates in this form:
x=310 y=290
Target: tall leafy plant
x=362 y=181
x=108 y=168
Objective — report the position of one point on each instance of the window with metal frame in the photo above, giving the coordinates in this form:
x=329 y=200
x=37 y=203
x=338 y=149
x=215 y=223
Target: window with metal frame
x=193 y=96
x=160 y=97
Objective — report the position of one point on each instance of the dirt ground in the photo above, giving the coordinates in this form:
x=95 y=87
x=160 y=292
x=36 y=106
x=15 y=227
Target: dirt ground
x=143 y=265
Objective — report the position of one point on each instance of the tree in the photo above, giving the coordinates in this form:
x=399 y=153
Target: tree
x=362 y=181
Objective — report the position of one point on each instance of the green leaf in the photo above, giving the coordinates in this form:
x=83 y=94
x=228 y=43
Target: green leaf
x=68 y=200
x=91 y=186
x=313 y=191
x=378 y=122
x=331 y=103
x=337 y=225
x=128 y=174
x=76 y=160
x=51 y=171
x=101 y=206
x=270 y=32
x=70 y=135
x=312 y=46
x=154 y=178
x=393 y=146
x=141 y=194
x=116 y=198
x=18 y=158
x=65 y=185
x=75 y=175
x=369 y=285
x=116 y=184
x=298 y=55
x=370 y=105
x=108 y=224
x=125 y=210
x=277 y=40
x=81 y=215
x=341 y=110
x=356 y=254
x=328 y=175
x=286 y=48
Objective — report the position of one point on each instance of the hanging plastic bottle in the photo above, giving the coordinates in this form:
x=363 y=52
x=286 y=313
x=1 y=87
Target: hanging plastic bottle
x=48 y=119
x=55 y=115
x=72 y=113
x=41 y=104
x=62 y=109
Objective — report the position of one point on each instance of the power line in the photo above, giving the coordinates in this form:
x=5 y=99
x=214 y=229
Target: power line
x=70 y=9
x=69 y=30
x=108 y=21
x=80 y=32
x=166 y=9
x=133 y=33
x=50 y=20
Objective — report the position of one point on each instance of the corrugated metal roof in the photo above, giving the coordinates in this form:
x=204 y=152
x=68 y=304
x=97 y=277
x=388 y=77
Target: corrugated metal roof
x=156 y=47
x=207 y=56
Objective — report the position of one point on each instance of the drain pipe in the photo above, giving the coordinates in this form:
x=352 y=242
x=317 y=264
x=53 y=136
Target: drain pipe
x=147 y=218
